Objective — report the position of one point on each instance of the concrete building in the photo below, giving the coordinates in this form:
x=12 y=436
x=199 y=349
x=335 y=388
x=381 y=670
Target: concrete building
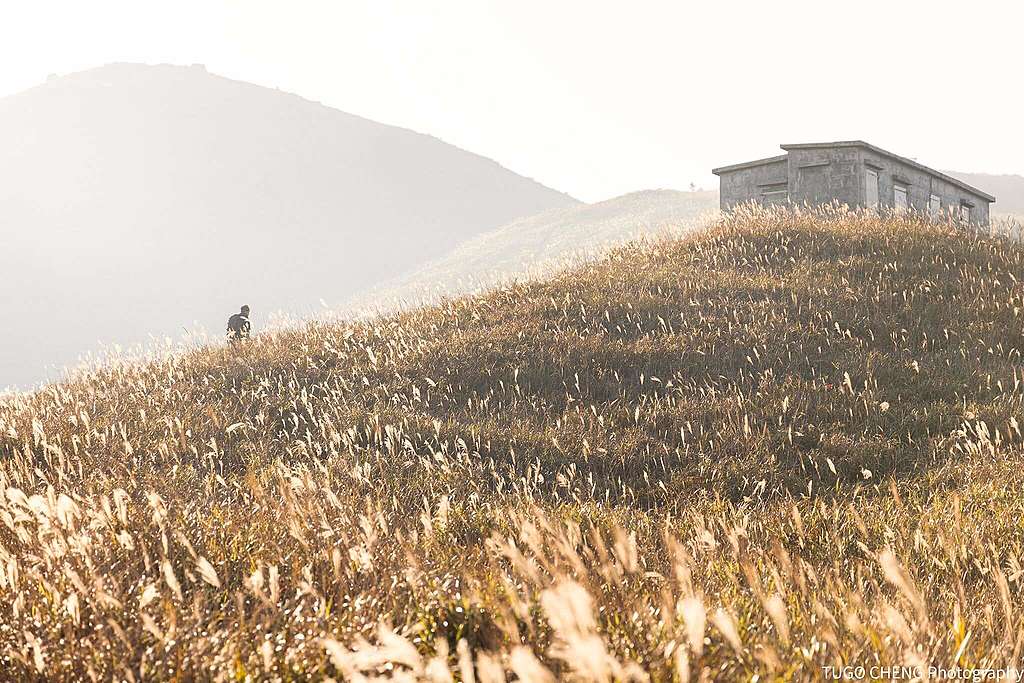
x=853 y=173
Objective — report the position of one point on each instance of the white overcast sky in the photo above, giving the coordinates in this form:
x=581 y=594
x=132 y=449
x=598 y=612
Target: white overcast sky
x=592 y=98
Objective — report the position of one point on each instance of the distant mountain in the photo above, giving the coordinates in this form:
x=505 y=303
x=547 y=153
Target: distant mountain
x=539 y=244
x=143 y=199
x=1007 y=189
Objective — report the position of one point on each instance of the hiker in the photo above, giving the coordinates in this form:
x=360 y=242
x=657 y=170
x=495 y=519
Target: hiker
x=238 y=325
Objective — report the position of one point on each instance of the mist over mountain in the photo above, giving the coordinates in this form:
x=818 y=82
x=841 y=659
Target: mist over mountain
x=1007 y=189
x=138 y=200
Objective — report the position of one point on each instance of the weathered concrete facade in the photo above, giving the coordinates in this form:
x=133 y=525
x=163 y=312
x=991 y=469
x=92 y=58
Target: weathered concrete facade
x=853 y=173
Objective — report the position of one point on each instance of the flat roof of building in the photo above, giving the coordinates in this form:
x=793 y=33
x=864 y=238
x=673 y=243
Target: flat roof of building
x=864 y=145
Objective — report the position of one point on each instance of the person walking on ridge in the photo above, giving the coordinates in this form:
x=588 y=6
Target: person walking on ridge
x=239 y=326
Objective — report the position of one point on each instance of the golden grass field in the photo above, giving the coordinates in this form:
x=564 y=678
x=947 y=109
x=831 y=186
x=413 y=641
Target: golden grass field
x=789 y=443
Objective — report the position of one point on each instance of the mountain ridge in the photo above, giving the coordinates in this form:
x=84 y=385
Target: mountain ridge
x=1007 y=188
x=200 y=68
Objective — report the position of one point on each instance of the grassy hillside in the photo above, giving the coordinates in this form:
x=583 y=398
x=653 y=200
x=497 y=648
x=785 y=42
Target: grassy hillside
x=542 y=244
x=788 y=443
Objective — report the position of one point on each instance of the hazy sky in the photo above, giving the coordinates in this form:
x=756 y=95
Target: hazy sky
x=592 y=98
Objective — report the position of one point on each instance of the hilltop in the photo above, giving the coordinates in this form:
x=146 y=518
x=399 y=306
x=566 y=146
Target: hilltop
x=140 y=200
x=785 y=443
x=542 y=244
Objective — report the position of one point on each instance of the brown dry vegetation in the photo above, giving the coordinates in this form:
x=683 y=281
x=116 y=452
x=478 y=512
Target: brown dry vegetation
x=788 y=443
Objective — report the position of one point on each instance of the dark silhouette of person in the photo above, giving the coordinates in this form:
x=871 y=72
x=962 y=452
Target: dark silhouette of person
x=239 y=326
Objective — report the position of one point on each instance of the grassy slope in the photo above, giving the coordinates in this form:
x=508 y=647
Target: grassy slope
x=544 y=243
x=795 y=435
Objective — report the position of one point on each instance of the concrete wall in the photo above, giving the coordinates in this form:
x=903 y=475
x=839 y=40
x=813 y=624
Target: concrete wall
x=920 y=187
x=745 y=184
x=819 y=176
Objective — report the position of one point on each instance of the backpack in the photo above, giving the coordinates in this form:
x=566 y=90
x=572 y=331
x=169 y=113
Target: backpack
x=238 y=326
